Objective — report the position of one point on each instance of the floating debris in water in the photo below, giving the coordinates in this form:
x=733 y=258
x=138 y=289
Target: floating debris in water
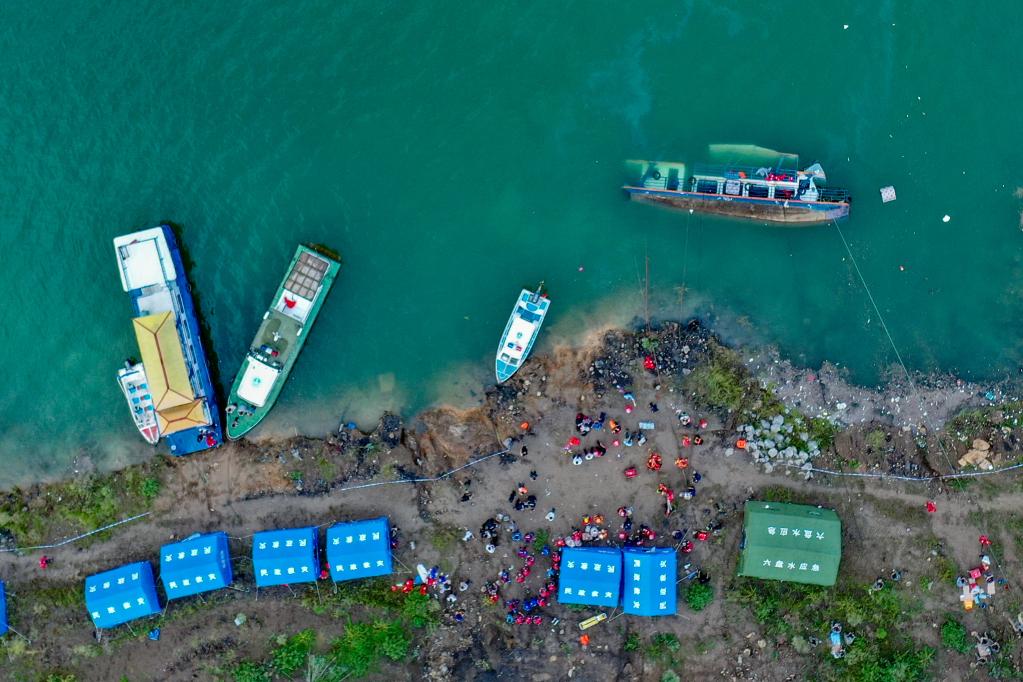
x=887 y=194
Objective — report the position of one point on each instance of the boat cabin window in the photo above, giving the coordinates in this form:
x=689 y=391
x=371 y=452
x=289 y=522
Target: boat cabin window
x=783 y=193
x=759 y=191
x=707 y=186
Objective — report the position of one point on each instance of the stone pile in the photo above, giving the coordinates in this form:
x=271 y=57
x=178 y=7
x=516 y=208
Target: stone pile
x=776 y=442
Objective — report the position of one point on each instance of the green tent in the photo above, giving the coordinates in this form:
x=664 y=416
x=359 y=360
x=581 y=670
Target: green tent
x=793 y=542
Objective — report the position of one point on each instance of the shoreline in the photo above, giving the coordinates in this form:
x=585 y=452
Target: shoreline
x=248 y=486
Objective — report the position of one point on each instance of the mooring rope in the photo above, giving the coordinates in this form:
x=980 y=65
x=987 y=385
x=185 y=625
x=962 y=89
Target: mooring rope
x=77 y=537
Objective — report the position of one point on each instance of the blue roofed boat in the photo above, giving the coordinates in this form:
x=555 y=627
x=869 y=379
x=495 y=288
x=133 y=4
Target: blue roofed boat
x=743 y=181
x=521 y=332
x=170 y=392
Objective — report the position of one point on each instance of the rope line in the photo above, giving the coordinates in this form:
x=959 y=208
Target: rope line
x=897 y=477
x=77 y=537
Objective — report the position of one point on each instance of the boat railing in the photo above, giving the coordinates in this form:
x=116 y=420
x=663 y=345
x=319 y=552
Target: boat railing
x=730 y=172
x=834 y=195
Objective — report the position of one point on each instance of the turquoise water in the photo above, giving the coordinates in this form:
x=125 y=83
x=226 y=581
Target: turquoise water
x=453 y=153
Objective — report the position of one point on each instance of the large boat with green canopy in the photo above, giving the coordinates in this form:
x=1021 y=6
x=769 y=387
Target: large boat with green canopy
x=281 y=335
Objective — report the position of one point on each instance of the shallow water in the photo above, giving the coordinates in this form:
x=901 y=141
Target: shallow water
x=453 y=155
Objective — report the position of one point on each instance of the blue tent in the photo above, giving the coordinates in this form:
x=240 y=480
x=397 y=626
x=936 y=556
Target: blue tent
x=359 y=549
x=3 y=609
x=649 y=585
x=121 y=594
x=199 y=564
x=281 y=557
x=590 y=575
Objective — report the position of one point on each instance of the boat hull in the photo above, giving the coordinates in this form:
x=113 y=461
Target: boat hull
x=242 y=416
x=527 y=317
x=175 y=297
x=786 y=211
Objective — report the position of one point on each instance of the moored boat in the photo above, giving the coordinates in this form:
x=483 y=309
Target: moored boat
x=174 y=374
x=521 y=331
x=132 y=380
x=746 y=182
x=280 y=337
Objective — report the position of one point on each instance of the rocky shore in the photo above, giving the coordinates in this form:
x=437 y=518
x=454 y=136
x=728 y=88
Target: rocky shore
x=746 y=422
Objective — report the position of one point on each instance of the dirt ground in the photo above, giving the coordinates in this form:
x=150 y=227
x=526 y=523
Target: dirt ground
x=243 y=488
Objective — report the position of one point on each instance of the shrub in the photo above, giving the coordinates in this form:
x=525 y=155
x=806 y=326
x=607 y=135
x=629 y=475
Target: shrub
x=699 y=595
x=291 y=653
x=419 y=610
x=954 y=637
x=250 y=671
x=150 y=489
x=631 y=642
x=663 y=647
x=363 y=644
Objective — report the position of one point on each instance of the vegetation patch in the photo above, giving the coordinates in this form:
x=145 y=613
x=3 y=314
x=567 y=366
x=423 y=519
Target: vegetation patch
x=722 y=382
x=699 y=595
x=40 y=514
x=878 y=619
x=954 y=636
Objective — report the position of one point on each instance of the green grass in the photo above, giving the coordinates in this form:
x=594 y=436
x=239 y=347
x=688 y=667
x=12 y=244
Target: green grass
x=291 y=653
x=415 y=610
x=40 y=514
x=876 y=439
x=363 y=646
x=881 y=619
x=663 y=648
x=699 y=595
x=954 y=636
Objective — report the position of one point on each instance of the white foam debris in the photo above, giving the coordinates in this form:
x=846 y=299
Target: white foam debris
x=946 y=218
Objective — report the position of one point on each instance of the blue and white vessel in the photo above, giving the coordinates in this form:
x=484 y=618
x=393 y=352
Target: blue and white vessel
x=521 y=331
x=745 y=181
x=172 y=382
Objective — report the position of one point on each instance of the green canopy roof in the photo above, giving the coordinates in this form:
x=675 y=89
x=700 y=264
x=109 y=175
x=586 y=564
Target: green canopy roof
x=792 y=542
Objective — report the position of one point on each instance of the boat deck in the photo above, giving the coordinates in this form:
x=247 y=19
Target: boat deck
x=276 y=339
x=520 y=334
x=304 y=279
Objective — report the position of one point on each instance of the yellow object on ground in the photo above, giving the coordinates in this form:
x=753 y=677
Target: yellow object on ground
x=590 y=622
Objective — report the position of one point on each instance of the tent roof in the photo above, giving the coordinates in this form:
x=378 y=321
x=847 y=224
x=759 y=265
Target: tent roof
x=182 y=417
x=160 y=347
x=199 y=564
x=121 y=594
x=649 y=581
x=590 y=575
x=280 y=557
x=359 y=549
x=793 y=542
x=3 y=609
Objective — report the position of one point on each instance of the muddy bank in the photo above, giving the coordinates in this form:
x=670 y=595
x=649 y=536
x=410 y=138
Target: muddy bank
x=693 y=396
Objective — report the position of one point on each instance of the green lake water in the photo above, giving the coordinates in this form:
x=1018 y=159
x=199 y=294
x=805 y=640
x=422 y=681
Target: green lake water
x=454 y=152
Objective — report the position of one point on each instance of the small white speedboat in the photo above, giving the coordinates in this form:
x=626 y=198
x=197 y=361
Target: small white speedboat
x=132 y=380
x=521 y=332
